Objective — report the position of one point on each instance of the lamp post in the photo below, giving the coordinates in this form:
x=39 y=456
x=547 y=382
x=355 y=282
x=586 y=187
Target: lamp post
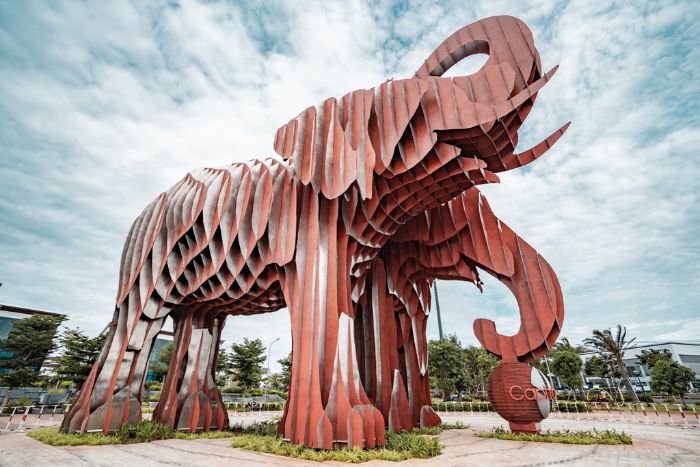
x=437 y=307
x=269 y=348
x=638 y=374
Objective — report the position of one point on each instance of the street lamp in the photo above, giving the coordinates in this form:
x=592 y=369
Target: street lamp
x=269 y=348
x=637 y=373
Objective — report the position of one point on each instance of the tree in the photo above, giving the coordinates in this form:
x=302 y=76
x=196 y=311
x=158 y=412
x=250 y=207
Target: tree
x=447 y=365
x=30 y=341
x=564 y=344
x=479 y=364
x=567 y=365
x=247 y=360
x=286 y=373
x=79 y=354
x=160 y=366
x=614 y=347
x=652 y=357
x=597 y=366
x=671 y=378
x=224 y=367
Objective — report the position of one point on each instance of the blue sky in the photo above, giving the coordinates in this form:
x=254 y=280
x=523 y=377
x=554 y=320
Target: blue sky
x=103 y=105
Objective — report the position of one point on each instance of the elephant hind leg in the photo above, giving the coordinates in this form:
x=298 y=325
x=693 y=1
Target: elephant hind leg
x=190 y=399
x=112 y=394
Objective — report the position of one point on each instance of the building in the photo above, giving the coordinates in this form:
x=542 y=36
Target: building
x=8 y=316
x=685 y=353
x=164 y=338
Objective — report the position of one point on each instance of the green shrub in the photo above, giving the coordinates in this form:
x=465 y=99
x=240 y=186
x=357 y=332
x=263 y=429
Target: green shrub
x=478 y=406
x=54 y=437
x=572 y=407
x=562 y=436
x=398 y=447
x=437 y=429
x=153 y=386
x=147 y=431
x=144 y=432
x=23 y=401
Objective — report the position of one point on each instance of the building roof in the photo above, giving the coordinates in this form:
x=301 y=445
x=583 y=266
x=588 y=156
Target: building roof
x=642 y=346
x=28 y=311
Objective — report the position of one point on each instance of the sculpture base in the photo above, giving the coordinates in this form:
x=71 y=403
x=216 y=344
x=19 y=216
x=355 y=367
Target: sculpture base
x=525 y=428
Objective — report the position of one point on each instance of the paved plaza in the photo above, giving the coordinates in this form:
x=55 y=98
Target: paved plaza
x=653 y=445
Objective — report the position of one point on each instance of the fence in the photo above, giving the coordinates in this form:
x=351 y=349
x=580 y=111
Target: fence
x=21 y=418
x=647 y=413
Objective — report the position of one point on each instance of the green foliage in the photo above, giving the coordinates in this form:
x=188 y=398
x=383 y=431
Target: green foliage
x=572 y=407
x=54 y=437
x=446 y=364
x=613 y=347
x=437 y=429
x=562 y=436
x=23 y=401
x=257 y=428
x=224 y=366
x=479 y=364
x=597 y=366
x=153 y=386
x=652 y=357
x=204 y=435
x=247 y=361
x=280 y=381
x=671 y=378
x=567 y=365
x=147 y=431
x=143 y=432
x=564 y=344
x=478 y=406
x=286 y=363
x=30 y=341
x=79 y=353
x=399 y=447
x=160 y=366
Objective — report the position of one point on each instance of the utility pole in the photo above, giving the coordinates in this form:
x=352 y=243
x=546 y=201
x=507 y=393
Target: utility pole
x=437 y=307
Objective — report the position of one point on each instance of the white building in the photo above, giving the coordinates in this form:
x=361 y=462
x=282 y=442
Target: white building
x=685 y=353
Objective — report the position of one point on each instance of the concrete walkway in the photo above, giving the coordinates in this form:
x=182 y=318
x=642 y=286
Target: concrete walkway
x=653 y=445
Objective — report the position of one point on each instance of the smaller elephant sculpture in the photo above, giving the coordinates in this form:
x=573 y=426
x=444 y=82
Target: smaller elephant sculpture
x=304 y=232
x=451 y=242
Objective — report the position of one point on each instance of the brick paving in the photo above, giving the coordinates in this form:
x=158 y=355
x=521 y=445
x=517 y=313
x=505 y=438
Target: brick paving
x=654 y=445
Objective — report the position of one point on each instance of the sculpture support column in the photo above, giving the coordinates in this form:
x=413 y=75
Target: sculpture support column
x=190 y=399
x=112 y=394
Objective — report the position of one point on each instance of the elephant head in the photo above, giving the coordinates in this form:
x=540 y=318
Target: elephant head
x=420 y=142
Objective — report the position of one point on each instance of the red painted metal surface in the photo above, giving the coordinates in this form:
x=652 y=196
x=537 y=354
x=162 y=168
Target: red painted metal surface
x=374 y=198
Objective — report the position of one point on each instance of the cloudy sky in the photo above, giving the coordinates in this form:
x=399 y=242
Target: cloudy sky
x=103 y=105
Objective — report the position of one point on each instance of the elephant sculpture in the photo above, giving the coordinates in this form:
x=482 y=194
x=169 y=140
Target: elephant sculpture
x=304 y=232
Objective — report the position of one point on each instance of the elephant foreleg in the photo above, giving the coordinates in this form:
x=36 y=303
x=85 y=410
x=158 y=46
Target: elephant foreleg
x=327 y=402
x=112 y=394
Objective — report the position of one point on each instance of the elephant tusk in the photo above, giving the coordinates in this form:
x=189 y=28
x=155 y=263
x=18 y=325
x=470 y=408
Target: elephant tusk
x=513 y=161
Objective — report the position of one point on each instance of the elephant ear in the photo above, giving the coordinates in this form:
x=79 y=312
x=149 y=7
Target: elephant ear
x=336 y=143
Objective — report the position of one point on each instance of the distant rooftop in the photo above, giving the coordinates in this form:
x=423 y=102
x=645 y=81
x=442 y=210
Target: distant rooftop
x=650 y=344
x=27 y=311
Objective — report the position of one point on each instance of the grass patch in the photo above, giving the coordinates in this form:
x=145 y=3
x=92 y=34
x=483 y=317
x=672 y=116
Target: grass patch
x=399 y=447
x=54 y=437
x=437 y=429
x=562 y=436
x=143 y=432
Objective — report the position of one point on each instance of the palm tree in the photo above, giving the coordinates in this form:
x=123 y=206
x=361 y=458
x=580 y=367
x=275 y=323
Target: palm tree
x=564 y=344
x=614 y=348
